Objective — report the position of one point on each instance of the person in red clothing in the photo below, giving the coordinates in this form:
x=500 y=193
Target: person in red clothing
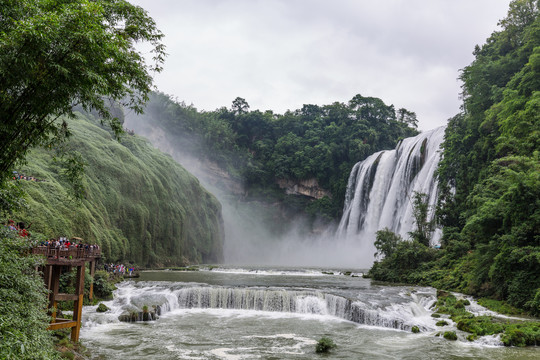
x=23 y=232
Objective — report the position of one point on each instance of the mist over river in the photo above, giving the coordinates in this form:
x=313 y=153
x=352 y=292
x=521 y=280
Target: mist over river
x=277 y=313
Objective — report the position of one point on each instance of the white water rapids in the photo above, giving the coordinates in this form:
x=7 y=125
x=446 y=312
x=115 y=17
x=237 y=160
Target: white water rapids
x=276 y=313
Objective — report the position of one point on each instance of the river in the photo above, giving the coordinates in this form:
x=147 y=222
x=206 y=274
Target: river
x=277 y=313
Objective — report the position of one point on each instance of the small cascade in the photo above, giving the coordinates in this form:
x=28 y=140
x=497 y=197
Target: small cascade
x=130 y=298
x=296 y=301
x=380 y=188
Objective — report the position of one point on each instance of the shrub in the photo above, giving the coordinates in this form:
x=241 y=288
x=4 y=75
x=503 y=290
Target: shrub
x=145 y=314
x=480 y=325
x=450 y=335
x=23 y=321
x=102 y=308
x=324 y=345
x=102 y=286
x=523 y=334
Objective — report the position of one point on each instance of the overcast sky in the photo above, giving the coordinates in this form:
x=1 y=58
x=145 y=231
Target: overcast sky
x=281 y=54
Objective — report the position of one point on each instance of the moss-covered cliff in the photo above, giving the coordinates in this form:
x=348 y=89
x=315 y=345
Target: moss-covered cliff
x=139 y=204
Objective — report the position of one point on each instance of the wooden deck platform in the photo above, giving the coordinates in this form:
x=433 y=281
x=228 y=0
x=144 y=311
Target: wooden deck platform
x=59 y=260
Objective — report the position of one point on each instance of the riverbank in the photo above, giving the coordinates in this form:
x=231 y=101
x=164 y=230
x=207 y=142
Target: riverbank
x=512 y=331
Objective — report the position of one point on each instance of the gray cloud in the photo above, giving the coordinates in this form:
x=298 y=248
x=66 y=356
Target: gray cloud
x=281 y=54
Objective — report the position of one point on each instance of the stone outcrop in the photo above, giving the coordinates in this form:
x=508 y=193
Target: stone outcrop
x=309 y=187
x=133 y=316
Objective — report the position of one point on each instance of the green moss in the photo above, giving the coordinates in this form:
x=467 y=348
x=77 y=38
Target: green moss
x=450 y=335
x=139 y=205
x=480 y=325
x=415 y=329
x=102 y=308
x=442 y=323
x=68 y=355
x=449 y=304
x=499 y=306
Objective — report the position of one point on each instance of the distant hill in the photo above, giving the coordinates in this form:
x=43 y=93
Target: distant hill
x=138 y=203
x=300 y=159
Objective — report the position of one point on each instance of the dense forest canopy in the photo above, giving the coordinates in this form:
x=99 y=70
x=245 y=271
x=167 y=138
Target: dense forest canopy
x=489 y=174
x=314 y=142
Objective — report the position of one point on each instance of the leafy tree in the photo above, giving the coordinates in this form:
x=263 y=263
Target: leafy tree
x=386 y=243
x=407 y=117
x=11 y=198
x=240 y=106
x=424 y=227
x=405 y=264
x=55 y=54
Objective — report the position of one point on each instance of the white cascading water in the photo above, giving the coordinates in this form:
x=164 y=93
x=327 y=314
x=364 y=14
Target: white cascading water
x=380 y=189
x=402 y=315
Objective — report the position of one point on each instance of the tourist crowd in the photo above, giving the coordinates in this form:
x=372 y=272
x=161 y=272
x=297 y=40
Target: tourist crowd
x=65 y=243
x=119 y=269
x=17 y=176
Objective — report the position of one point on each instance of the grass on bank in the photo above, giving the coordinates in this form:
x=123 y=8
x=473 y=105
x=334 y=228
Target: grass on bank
x=513 y=332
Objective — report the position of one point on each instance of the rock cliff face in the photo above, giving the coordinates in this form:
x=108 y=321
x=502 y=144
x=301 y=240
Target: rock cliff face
x=309 y=187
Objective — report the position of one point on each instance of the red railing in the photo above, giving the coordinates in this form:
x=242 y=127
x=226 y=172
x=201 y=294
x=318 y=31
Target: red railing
x=62 y=252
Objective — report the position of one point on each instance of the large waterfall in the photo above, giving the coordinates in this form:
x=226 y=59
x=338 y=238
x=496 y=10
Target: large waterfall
x=380 y=189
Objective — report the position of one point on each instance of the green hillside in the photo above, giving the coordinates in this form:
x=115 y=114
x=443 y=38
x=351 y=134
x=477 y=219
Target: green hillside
x=138 y=204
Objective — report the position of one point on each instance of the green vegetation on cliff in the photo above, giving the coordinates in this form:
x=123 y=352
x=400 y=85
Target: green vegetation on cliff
x=490 y=176
x=138 y=204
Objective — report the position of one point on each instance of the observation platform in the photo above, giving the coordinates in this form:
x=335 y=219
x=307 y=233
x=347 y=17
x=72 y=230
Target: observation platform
x=59 y=260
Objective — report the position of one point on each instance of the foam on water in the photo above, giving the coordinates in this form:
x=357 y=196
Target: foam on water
x=265 y=272
x=174 y=297
x=277 y=319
